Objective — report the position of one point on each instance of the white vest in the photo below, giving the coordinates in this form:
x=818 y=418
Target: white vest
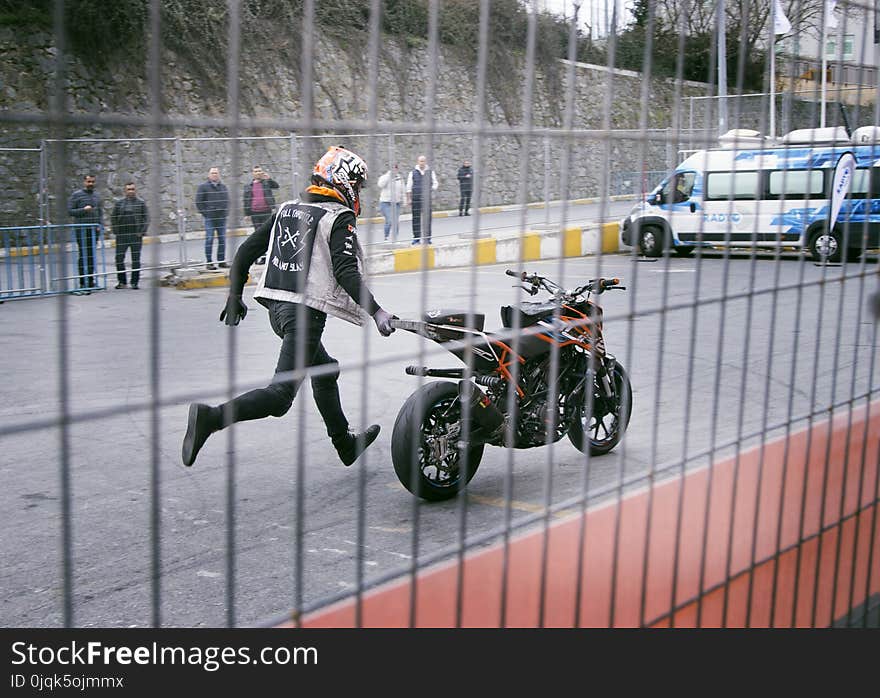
x=283 y=265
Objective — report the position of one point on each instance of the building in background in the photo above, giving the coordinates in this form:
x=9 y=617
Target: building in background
x=850 y=56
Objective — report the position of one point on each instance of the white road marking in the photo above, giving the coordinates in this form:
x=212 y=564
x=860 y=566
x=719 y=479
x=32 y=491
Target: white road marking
x=392 y=529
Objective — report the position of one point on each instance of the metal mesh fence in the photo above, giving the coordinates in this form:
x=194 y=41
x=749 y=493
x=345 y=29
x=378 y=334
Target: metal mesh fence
x=699 y=450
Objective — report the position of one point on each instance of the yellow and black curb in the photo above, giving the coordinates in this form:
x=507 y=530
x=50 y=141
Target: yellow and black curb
x=531 y=245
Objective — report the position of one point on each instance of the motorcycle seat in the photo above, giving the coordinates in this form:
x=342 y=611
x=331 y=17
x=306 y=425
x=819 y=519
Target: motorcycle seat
x=529 y=313
x=455 y=318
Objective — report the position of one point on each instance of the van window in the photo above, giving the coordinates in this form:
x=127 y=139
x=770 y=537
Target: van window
x=678 y=188
x=732 y=185
x=860 y=186
x=796 y=184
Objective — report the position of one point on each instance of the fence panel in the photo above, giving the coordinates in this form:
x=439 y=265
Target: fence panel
x=49 y=259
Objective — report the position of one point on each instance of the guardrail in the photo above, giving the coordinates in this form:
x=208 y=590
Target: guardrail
x=45 y=260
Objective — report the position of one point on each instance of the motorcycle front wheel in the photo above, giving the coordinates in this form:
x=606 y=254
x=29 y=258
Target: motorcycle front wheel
x=425 y=444
x=609 y=418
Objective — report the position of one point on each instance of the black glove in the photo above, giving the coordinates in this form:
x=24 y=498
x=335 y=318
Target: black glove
x=383 y=319
x=234 y=311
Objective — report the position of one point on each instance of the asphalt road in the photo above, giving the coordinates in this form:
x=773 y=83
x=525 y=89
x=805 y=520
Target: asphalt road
x=701 y=378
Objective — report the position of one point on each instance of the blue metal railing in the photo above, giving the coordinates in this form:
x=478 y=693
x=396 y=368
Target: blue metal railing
x=45 y=260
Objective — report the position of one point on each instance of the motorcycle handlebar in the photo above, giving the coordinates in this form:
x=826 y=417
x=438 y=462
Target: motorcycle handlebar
x=594 y=285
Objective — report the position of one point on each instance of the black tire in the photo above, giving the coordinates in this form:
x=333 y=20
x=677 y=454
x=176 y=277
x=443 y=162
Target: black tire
x=652 y=240
x=606 y=415
x=853 y=255
x=429 y=412
x=683 y=250
x=826 y=246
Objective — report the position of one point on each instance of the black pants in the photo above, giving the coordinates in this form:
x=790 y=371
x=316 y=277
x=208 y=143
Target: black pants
x=421 y=219
x=86 y=237
x=259 y=218
x=288 y=320
x=123 y=243
x=464 y=204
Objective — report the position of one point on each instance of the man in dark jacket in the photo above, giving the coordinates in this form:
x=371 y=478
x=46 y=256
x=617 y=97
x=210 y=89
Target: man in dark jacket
x=420 y=183
x=465 y=188
x=129 y=219
x=84 y=206
x=212 y=200
x=259 y=201
x=314 y=267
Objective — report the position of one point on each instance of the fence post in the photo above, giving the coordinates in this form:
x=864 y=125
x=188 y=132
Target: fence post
x=44 y=219
x=181 y=212
x=691 y=125
x=397 y=208
x=547 y=180
x=293 y=173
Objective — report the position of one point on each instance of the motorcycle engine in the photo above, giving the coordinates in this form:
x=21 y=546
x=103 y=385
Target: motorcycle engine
x=535 y=411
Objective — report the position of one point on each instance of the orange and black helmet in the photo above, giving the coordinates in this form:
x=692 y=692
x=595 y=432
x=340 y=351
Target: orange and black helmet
x=344 y=171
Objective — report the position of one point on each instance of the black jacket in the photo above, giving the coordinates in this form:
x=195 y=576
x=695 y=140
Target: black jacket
x=268 y=186
x=77 y=203
x=129 y=217
x=212 y=200
x=466 y=179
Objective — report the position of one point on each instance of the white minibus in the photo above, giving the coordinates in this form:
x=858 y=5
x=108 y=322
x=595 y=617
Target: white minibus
x=747 y=193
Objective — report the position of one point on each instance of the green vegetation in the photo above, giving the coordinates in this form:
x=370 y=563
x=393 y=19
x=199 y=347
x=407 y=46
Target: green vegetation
x=110 y=35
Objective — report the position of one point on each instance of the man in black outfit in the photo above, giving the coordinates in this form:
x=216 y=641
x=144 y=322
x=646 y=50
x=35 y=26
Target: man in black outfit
x=465 y=188
x=314 y=266
x=84 y=207
x=129 y=219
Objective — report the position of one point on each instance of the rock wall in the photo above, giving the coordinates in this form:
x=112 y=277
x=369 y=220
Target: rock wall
x=509 y=165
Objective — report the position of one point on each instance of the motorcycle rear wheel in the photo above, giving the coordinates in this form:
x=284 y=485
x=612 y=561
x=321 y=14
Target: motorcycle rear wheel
x=606 y=426
x=425 y=457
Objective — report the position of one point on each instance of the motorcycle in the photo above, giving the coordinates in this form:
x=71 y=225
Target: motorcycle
x=531 y=398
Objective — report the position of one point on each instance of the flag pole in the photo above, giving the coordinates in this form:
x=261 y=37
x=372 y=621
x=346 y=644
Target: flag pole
x=824 y=69
x=773 y=70
x=722 y=70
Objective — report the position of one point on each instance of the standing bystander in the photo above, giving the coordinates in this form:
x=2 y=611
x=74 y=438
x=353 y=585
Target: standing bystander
x=212 y=201
x=259 y=202
x=84 y=207
x=465 y=188
x=129 y=219
x=419 y=184
x=392 y=190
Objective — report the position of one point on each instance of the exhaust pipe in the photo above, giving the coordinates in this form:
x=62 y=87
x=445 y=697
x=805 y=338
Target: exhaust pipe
x=483 y=411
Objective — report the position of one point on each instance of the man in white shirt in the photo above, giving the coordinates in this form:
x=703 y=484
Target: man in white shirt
x=391 y=192
x=419 y=185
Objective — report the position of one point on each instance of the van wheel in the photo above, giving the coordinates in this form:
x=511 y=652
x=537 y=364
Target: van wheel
x=825 y=246
x=651 y=241
x=683 y=250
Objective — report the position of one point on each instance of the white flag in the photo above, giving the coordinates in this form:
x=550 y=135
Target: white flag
x=830 y=17
x=781 y=25
x=843 y=175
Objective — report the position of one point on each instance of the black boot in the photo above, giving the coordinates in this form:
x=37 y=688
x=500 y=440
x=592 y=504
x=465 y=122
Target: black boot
x=203 y=421
x=350 y=445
